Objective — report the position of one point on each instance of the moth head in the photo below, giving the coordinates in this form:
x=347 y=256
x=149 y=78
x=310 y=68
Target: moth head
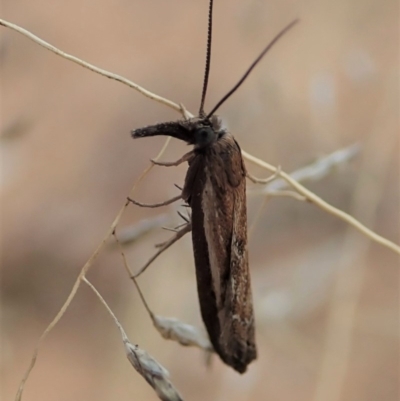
x=199 y=131
x=206 y=132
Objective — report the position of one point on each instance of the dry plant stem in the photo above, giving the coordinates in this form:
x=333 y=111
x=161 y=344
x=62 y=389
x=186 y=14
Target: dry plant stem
x=324 y=205
x=71 y=296
x=314 y=171
x=184 y=230
x=91 y=67
x=289 y=194
x=154 y=373
x=116 y=321
x=77 y=283
x=256 y=180
x=186 y=114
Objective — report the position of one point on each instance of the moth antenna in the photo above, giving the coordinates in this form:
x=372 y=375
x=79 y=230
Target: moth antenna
x=256 y=61
x=208 y=59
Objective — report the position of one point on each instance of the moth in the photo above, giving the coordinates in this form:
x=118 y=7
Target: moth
x=215 y=190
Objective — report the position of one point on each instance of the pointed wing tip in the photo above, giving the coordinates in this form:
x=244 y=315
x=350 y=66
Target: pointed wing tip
x=240 y=360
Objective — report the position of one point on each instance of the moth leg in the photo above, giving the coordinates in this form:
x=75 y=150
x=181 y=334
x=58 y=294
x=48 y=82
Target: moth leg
x=175 y=229
x=185 y=158
x=264 y=180
x=154 y=205
x=163 y=247
x=187 y=219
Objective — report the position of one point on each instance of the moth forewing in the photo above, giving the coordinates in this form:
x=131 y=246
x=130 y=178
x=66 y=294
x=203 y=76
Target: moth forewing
x=215 y=189
x=236 y=316
x=242 y=332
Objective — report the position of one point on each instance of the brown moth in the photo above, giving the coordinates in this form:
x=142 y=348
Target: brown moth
x=215 y=190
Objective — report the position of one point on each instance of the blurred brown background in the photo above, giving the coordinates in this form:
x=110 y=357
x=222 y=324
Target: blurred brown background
x=326 y=299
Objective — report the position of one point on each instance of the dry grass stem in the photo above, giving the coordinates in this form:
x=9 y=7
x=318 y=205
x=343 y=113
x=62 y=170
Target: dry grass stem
x=311 y=197
x=287 y=193
x=153 y=372
x=66 y=304
x=102 y=300
x=92 y=67
x=272 y=178
x=82 y=273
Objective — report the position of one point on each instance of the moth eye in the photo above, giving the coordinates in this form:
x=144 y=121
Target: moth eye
x=204 y=136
